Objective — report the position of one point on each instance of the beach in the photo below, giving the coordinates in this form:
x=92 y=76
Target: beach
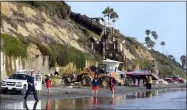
x=84 y=93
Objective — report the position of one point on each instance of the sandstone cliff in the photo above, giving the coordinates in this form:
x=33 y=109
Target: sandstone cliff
x=44 y=39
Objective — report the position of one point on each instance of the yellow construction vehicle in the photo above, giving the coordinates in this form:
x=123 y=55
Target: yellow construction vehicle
x=105 y=70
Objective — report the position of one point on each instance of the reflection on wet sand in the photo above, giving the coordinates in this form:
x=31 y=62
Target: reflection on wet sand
x=86 y=103
x=34 y=107
x=92 y=102
x=48 y=104
x=28 y=105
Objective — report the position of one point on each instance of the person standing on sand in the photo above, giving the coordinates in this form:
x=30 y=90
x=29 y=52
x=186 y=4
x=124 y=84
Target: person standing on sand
x=31 y=87
x=112 y=83
x=95 y=84
x=149 y=82
x=48 y=84
x=146 y=82
x=139 y=81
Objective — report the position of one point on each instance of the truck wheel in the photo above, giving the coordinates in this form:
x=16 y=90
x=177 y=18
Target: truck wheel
x=105 y=82
x=23 y=91
x=66 y=82
x=86 y=81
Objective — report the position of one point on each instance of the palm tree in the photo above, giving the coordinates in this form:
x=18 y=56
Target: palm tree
x=147 y=32
x=163 y=44
x=151 y=44
x=155 y=36
x=147 y=39
x=114 y=16
x=108 y=12
x=183 y=60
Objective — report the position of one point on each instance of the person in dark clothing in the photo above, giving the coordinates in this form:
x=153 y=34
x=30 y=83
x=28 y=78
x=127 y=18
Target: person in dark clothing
x=56 y=73
x=146 y=82
x=31 y=87
x=139 y=81
x=134 y=80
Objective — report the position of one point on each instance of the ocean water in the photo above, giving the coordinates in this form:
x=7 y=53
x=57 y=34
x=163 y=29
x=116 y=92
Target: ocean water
x=158 y=99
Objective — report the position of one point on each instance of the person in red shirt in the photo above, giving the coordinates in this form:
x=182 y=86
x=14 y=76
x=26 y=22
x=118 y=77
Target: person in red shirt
x=48 y=84
x=112 y=83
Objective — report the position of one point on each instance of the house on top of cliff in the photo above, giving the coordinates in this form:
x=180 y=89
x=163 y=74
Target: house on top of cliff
x=99 y=20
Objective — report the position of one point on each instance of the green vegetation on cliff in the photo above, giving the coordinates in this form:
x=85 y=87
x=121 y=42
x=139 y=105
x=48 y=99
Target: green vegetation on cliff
x=52 y=8
x=62 y=55
x=13 y=46
x=58 y=53
x=167 y=66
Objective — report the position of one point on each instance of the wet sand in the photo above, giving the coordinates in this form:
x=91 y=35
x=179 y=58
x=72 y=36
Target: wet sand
x=67 y=92
x=168 y=98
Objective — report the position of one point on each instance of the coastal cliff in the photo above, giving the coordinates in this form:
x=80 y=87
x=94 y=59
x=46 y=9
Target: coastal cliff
x=35 y=36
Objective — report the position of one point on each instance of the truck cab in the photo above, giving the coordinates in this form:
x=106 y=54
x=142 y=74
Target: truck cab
x=110 y=68
x=18 y=82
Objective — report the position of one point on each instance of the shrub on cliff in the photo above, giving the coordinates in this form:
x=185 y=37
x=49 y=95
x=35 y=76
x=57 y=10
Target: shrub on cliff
x=13 y=46
x=62 y=55
x=67 y=54
x=52 y=8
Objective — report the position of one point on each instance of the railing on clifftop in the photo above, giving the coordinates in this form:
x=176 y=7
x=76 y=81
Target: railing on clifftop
x=88 y=23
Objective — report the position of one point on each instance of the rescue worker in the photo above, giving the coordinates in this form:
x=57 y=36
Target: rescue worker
x=31 y=87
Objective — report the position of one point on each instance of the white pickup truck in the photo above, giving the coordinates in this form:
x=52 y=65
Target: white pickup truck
x=18 y=81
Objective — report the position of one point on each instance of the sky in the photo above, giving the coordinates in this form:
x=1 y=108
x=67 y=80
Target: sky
x=168 y=19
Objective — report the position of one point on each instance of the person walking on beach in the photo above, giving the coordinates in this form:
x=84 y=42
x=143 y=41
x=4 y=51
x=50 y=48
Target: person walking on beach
x=31 y=87
x=112 y=83
x=48 y=84
x=95 y=84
